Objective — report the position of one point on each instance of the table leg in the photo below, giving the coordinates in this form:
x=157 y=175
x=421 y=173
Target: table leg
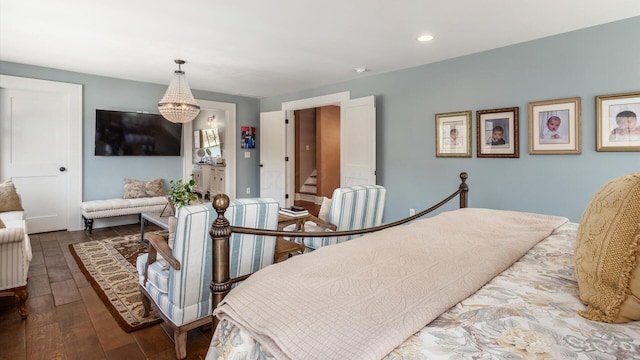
x=143 y=222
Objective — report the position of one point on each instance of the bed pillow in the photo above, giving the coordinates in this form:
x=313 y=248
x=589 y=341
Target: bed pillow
x=323 y=214
x=607 y=256
x=9 y=199
x=140 y=189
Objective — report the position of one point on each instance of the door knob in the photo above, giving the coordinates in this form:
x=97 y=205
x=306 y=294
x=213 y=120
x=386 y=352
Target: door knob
x=261 y=165
x=62 y=168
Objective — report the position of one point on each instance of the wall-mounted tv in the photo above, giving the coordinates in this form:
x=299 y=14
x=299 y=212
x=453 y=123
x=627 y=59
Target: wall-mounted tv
x=120 y=133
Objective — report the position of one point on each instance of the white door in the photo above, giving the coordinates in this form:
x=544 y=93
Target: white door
x=273 y=182
x=358 y=142
x=36 y=118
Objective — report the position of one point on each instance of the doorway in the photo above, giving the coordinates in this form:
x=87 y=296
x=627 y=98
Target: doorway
x=357 y=144
x=225 y=118
x=317 y=154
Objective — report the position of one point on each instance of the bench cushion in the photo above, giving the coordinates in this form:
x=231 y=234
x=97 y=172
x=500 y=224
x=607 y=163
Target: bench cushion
x=116 y=207
x=12 y=215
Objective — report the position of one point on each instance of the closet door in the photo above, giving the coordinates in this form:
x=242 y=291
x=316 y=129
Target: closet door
x=358 y=142
x=273 y=182
x=41 y=149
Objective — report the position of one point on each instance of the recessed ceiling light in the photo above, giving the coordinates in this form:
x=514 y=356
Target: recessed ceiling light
x=360 y=70
x=424 y=38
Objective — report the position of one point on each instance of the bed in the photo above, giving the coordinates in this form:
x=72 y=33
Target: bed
x=491 y=294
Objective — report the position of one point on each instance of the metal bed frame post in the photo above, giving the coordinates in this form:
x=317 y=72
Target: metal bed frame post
x=220 y=232
x=464 y=190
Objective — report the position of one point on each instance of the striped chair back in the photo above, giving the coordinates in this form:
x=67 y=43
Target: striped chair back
x=188 y=288
x=352 y=208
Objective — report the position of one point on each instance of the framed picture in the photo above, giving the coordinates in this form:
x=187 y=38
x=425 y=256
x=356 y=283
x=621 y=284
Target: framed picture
x=453 y=134
x=554 y=127
x=497 y=133
x=248 y=137
x=618 y=128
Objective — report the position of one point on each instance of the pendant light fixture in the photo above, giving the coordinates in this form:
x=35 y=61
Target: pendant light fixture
x=177 y=104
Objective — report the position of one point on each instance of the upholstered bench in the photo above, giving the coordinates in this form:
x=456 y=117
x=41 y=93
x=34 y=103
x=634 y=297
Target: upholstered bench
x=96 y=209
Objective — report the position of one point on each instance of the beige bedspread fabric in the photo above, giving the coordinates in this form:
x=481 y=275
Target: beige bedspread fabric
x=362 y=298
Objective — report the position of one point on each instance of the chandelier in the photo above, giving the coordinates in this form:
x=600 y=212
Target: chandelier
x=177 y=104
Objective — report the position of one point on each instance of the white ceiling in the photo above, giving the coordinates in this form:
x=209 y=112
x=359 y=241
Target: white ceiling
x=263 y=48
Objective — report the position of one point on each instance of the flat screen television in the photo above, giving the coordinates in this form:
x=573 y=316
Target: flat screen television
x=120 y=133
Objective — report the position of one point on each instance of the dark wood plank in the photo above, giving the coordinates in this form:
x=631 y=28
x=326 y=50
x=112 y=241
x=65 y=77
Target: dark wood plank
x=37 y=258
x=81 y=342
x=45 y=342
x=38 y=286
x=13 y=338
x=41 y=311
x=67 y=318
x=72 y=315
x=80 y=279
x=58 y=272
x=129 y=351
x=65 y=292
x=110 y=334
x=153 y=340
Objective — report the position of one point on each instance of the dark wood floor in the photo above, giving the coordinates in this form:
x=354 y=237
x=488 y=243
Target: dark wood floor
x=67 y=320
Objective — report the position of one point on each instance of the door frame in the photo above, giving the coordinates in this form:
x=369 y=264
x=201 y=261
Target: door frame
x=229 y=144
x=74 y=161
x=290 y=107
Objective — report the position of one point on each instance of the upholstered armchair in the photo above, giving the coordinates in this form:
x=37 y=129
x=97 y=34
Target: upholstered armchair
x=350 y=208
x=176 y=279
x=15 y=248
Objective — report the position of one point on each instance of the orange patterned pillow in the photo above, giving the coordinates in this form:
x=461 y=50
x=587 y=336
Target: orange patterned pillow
x=607 y=253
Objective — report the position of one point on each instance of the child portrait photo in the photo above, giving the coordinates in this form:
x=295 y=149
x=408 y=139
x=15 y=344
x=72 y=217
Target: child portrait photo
x=551 y=127
x=555 y=127
x=497 y=132
x=453 y=131
x=618 y=127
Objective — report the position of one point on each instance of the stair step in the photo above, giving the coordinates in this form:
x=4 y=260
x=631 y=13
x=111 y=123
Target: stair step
x=308 y=189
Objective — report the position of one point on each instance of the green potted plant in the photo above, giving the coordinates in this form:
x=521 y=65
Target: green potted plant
x=181 y=193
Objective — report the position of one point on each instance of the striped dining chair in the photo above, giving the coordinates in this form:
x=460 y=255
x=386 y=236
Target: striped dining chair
x=352 y=208
x=178 y=285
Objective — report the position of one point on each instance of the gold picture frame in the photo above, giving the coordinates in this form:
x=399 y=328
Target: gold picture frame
x=555 y=127
x=497 y=133
x=618 y=128
x=453 y=134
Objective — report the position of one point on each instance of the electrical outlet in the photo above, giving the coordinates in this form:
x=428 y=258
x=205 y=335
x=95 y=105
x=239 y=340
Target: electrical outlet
x=412 y=212
x=248 y=190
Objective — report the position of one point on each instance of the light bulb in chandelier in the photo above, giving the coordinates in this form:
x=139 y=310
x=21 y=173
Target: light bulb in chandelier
x=177 y=104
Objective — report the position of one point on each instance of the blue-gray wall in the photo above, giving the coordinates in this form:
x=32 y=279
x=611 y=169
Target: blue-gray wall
x=589 y=62
x=595 y=61
x=102 y=177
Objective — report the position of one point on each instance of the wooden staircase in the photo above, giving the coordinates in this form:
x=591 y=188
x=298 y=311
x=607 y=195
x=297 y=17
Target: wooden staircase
x=308 y=190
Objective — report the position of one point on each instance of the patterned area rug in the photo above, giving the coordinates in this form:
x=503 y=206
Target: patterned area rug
x=110 y=267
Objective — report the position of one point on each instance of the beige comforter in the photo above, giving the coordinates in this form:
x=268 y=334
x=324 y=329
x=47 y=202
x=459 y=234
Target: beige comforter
x=362 y=298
